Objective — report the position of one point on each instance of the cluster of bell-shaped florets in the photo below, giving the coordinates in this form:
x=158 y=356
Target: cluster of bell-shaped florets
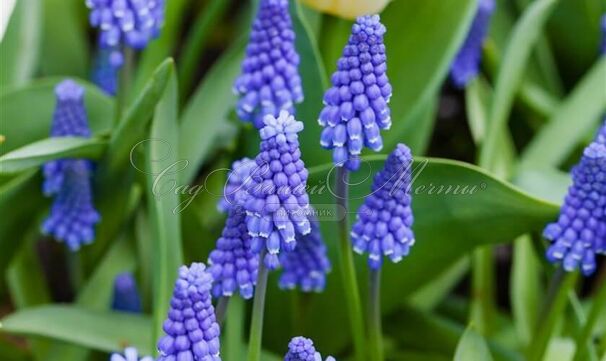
x=466 y=64
x=73 y=216
x=356 y=106
x=302 y=349
x=270 y=80
x=192 y=332
x=106 y=69
x=126 y=22
x=580 y=231
x=126 y=294
x=233 y=265
x=307 y=265
x=130 y=354
x=384 y=221
x=276 y=200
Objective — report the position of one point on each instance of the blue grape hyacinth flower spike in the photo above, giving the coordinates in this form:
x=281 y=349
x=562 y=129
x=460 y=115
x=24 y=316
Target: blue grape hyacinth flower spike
x=384 y=222
x=466 y=64
x=307 y=265
x=106 y=69
x=580 y=231
x=270 y=80
x=356 y=106
x=232 y=263
x=73 y=216
x=192 y=332
x=133 y=23
x=130 y=354
x=126 y=294
x=302 y=349
x=276 y=201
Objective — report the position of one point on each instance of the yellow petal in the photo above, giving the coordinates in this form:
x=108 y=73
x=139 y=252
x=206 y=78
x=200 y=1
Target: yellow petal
x=348 y=8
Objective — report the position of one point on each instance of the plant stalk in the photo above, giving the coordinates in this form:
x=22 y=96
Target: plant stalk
x=256 y=325
x=483 y=293
x=597 y=308
x=221 y=309
x=348 y=272
x=374 y=316
x=555 y=303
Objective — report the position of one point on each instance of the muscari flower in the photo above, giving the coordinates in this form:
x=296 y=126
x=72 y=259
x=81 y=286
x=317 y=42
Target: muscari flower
x=72 y=216
x=232 y=263
x=269 y=81
x=192 y=332
x=126 y=22
x=580 y=231
x=302 y=349
x=130 y=354
x=106 y=69
x=356 y=106
x=384 y=221
x=126 y=295
x=307 y=265
x=276 y=201
x=466 y=64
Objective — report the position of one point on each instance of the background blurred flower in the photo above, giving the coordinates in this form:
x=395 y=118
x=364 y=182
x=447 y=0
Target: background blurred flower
x=232 y=263
x=277 y=202
x=580 y=230
x=72 y=216
x=107 y=68
x=307 y=265
x=270 y=80
x=384 y=221
x=356 y=106
x=192 y=332
x=302 y=349
x=348 y=8
x=126 y=22
x=126 y=294
x=466 y=64
x=130 y=354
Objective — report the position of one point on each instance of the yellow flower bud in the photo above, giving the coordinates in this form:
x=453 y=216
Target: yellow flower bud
x=348 y=8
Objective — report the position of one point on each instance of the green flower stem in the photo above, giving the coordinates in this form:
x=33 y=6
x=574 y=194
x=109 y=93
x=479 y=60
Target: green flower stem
x=348 y=272
x=598 y=307
x=561 y=284
x=221 y=309
x=256 y=325
x=125 y=82
x=482 y=307
x=374 y=317
x=234 y=346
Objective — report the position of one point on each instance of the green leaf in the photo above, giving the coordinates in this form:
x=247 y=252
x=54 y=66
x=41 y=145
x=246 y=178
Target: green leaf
x=134 y=123
x=197 y=40
x=315 y=83
x=447 y=227
x=472 y=347
x=98 y=330
x=572 y=120
x=547 y=183
x=20 y=199
x=524 y=37
x=65 y=49
x=40 y=152
x=97 y=294
x=20 y=46
x=27 y=112
x=163 y=200
x=12 y=352
x=207 y=109
x=526 y=288
x=422 y=39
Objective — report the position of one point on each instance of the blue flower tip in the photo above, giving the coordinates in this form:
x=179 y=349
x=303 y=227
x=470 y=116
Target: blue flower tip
x=69 y=90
